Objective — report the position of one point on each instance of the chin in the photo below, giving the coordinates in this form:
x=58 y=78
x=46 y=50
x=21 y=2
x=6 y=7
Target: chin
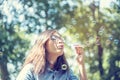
x=60 y=52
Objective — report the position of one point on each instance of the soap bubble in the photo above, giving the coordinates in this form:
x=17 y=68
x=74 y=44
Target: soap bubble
x=94 y=21
x=101 y=30
x=116 y=41
x=108 y=42
x=111 y=38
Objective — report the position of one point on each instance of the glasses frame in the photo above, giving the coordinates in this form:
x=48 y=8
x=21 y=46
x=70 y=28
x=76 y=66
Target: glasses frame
x=55 y=38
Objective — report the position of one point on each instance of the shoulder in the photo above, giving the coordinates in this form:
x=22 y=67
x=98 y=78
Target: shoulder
x=26 y=72
x=28 y=67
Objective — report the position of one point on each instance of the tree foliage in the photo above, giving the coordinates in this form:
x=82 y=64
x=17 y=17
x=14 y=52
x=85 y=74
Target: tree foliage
x=98 y=30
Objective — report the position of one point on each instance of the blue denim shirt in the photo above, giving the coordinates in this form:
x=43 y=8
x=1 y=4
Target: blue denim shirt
x=49 y=74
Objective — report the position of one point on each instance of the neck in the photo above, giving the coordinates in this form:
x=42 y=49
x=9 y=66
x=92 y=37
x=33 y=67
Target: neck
x=52 y=59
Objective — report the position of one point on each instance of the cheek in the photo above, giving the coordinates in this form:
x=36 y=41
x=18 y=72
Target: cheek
x=50 y=47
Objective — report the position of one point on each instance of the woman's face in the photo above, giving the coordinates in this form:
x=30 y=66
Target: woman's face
x=55 y=44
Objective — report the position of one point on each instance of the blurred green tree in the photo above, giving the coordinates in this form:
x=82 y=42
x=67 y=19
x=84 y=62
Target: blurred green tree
x=18 y=21
x=97 y=29
x=13 y=44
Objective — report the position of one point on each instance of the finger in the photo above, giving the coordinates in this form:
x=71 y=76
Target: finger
x=79 y=50
x=80 y=58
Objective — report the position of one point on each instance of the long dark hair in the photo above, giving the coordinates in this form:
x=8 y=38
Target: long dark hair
x=61 y=64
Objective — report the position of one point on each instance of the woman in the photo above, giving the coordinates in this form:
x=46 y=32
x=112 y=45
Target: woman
x=46 y=60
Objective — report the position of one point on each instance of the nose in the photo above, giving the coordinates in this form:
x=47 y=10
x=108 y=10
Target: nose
x=60 y=41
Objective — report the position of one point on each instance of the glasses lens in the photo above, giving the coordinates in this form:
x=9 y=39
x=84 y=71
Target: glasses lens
x=54 y=37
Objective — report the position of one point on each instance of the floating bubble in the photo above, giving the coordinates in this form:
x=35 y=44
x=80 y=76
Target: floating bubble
x=101 y=30
x=71 y=27
x=98 y=40
x=91 y=55
x=90 y=37
x=108 y=42
x=88 y=34
x=111 y=38
x=97 y=43
x=96 y=63
x=94 y=21
x=91 y=18
x=77 y=36
x=116 y=41
x=87 y=44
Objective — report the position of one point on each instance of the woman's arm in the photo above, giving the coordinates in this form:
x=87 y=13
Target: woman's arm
x=82 y=71
x=80 y=60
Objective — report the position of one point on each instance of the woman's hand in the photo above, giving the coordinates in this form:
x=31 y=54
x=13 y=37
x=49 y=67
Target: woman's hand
x=80 y=53
x=80 y=58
